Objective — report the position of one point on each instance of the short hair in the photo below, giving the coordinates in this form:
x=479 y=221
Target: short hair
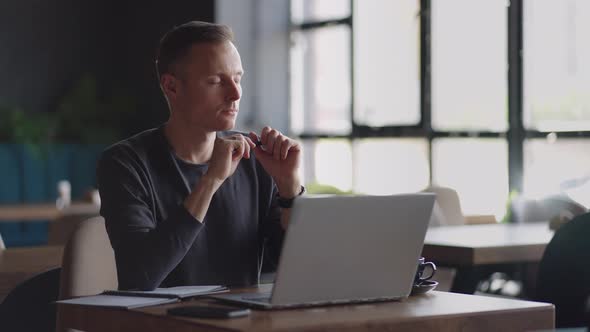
x=177 y=42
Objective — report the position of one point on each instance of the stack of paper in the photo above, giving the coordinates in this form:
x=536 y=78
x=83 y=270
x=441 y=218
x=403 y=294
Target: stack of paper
x=129 y=299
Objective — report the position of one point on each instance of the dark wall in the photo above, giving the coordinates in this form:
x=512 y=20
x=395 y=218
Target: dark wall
x=46 y=46
x=144 y=24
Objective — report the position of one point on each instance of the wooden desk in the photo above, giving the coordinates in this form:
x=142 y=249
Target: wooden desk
x=35 y=212
x=19 y=264
x=472 y=245
x=437 y=311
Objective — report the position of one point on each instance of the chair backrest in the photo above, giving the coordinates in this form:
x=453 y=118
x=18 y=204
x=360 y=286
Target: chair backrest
x=60 y=229
x=447 y=210
x=29 y=306
x=88 y=265
x=564 y=273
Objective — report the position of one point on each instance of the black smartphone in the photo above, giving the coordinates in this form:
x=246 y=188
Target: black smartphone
x=204 y=311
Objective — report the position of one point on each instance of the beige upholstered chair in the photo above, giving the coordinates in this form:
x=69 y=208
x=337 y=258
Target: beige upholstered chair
x=88 y=265
x=63 y=226
x=447 y=208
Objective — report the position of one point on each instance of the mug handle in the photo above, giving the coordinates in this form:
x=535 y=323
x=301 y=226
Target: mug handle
x=432 y=270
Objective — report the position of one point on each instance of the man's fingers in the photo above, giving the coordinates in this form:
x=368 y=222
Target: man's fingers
x=286 y=147
x=271 y=141
x=280 y=143
x=275 y=144
x=264 y=135
x=250 y=142
x=238 y=146
x=239 y=149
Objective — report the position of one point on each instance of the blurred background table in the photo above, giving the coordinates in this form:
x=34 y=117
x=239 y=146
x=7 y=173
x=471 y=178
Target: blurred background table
x=471 y=245
x=44 y=211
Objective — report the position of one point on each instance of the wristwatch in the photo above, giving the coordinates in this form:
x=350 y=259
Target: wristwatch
x=287 y=203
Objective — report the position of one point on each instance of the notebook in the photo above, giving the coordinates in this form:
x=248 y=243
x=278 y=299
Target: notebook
x=347 y=249
x=128 y=299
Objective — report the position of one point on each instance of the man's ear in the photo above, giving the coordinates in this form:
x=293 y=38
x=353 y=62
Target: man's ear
x=169 y=85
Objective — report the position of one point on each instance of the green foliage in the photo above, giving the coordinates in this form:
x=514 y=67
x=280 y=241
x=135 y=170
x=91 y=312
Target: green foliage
x=84 y=117
x=318 y=188
x=36 y=130
x=18 y=127
x=508 y=214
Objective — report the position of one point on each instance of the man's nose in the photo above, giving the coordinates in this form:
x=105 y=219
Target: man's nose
x=234 y=91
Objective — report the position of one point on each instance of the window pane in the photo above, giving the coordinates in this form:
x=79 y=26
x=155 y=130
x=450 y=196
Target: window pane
x=555 y=166
x=469 y=65
x=387 y=62
x=320 y=81
x=389 y=166
x=556 y=66
x=327 y=162
x=477 y=169
x=314 y=10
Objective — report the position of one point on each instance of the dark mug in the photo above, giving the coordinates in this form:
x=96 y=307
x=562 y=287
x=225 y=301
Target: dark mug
x=424 y=271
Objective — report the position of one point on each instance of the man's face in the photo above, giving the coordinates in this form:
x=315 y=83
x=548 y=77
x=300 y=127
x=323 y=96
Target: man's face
x=207 y=86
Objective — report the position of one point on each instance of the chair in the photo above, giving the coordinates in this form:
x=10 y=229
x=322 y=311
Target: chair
x=88 y=265
x=447 y=208
x=564 y=273
x=60 y=229
x=29 y=306
x=2 y=245
x=446 y=211
x=88 y=261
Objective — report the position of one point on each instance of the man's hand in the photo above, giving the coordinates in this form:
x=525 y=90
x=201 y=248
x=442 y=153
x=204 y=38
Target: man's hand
x=227 y=153
x=280 y=156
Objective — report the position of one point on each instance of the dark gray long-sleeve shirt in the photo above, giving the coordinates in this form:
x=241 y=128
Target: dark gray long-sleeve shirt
x=157 y=243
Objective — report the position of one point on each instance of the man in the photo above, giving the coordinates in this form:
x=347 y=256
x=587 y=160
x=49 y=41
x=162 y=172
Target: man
x=190 y=203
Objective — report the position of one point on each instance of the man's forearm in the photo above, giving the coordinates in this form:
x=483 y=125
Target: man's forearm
x=197 y=203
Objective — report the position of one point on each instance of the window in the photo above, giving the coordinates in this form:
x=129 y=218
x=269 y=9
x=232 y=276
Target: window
x=556 y=66
x=385 y=166
x=469 y=65
x=557 y=165
x=320 y=86
x=392 y=95
x=387 y=63
x=328 y=162
x=477 y=168
x=313 y=10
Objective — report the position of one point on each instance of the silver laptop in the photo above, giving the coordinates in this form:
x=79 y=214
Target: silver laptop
x=343 y=249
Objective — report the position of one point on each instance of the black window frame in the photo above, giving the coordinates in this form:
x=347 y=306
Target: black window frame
x=515 y=135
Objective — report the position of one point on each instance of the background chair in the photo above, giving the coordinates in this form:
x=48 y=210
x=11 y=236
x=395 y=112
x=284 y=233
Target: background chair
x=447 y=207
x=2 y=246
x=60 y=229
x=564 y=273
x=446 y=212
x=88 y=265
x=89 y=262
x=29 y=306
